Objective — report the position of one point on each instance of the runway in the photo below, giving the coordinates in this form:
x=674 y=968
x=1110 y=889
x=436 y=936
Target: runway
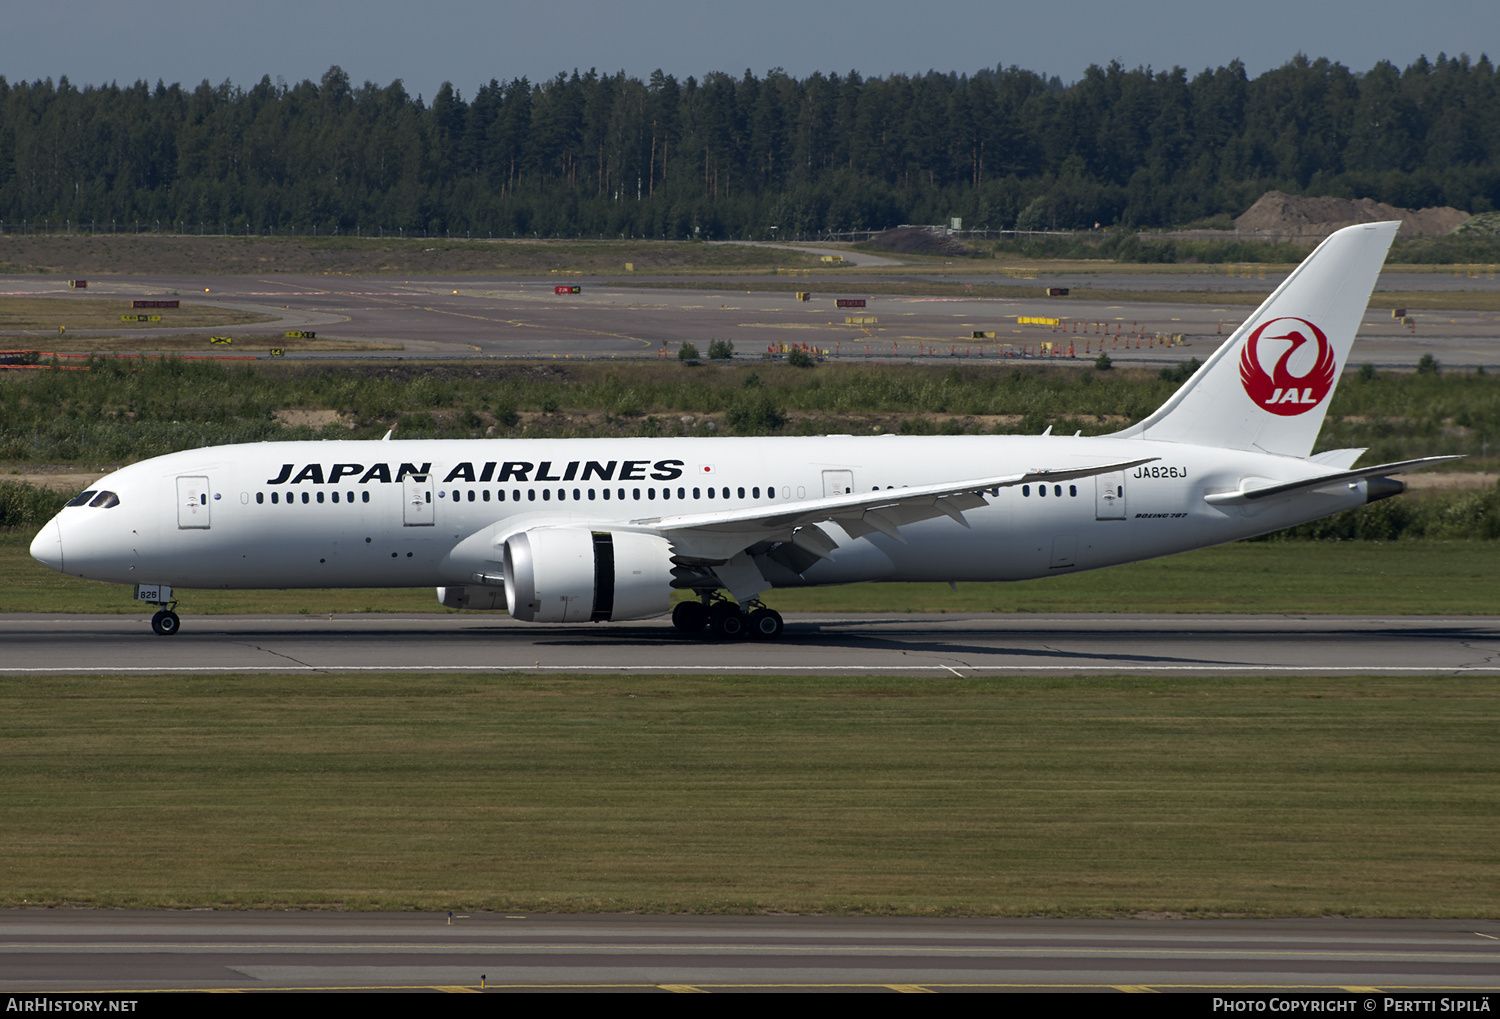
x=977 y=645
x=123 y=952
x=507 y=317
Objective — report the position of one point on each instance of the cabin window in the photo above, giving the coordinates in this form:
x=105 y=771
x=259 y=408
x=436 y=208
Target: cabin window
x=606 y=495
x=1073 y=491
x=682 y=493
x=591 y=495
x=335 y=497
x=651 y=494
x=742 y=493
x=531 y=495
x=635 y=493
x=546 y=495
x=755 y=492
x=260 y=497
x=305 y=499
x=364 y=497
x=320 y=497
x=1026 y=491
x=697 y=493
x=1057 y=491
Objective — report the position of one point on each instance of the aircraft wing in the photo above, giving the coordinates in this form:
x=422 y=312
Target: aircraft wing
x=1246 y=496
x=713 y=538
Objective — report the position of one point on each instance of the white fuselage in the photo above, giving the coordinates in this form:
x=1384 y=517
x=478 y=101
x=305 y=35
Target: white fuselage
x=346 y=514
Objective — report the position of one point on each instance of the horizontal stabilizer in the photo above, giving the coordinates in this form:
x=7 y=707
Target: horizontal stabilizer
x=1245 y=497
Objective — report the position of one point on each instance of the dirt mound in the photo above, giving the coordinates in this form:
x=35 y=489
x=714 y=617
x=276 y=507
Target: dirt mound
x=918 y=240
x=1280 y=215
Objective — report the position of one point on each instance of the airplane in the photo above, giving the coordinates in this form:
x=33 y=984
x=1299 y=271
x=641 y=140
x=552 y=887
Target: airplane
x=593 y=530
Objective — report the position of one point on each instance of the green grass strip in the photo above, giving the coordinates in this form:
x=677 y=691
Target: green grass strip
x=1103 y=796
x=1297 y=577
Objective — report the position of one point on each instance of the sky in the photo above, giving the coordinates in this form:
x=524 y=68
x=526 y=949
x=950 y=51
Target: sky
x=469 y=42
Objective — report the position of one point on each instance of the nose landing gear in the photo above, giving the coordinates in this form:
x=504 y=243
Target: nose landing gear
x=165 y=623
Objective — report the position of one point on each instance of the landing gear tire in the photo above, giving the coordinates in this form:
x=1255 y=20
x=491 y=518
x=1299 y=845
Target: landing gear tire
x=727 y=622
x=765 y=624
x=690 y=617
x=166 y=623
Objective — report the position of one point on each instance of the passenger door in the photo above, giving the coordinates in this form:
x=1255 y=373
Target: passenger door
x=838 y=482
x=192 y=503
x=1109 y=497
x=418 y=508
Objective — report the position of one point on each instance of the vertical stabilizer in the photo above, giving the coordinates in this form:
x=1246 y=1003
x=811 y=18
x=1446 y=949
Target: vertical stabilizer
x=1268 y=387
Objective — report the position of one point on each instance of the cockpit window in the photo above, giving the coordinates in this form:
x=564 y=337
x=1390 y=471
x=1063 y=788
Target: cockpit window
x=104 y=500
x=82 y=498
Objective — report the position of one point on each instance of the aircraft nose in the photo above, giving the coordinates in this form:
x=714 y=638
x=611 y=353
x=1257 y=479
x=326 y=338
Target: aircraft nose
x=46 y=547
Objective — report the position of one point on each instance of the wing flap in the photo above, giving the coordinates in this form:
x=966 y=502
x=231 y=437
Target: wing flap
x=718 y=535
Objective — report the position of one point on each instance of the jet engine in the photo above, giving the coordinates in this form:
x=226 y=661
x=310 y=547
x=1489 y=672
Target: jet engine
x=573 y=575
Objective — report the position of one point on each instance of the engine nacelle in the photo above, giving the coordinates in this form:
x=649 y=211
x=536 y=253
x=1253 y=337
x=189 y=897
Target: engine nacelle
x=575 y=575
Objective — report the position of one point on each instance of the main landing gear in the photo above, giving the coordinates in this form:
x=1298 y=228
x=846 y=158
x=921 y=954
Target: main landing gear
x=725 y=620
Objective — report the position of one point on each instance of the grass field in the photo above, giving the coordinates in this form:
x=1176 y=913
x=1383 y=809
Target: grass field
x=166 y=254
x=1313 y=796
x=1292 y=577
x=189 y=344
x=48 y=313
x=123 y=410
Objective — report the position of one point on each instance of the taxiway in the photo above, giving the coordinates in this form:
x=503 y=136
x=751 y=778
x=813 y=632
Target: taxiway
x=81 y=951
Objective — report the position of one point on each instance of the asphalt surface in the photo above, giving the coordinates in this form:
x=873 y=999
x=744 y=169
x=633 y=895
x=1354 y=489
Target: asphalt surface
x=952 y=643
x=124 y=952
x=525 y=318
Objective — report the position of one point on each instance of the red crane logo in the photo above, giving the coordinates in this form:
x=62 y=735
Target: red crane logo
x=1281 y=392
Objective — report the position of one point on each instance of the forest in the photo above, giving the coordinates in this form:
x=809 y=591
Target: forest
x=749 y=157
